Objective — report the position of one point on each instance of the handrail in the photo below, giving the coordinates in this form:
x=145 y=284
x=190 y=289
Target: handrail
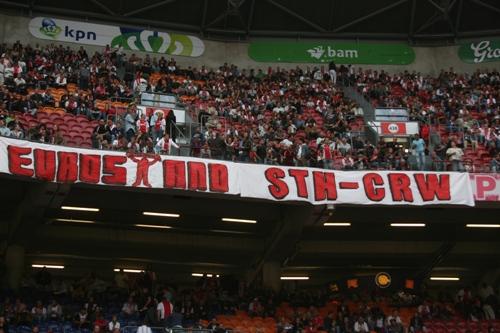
x=175 y=329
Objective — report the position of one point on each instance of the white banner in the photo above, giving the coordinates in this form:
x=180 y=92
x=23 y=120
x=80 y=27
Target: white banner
x=129 y=38
x=316 y=186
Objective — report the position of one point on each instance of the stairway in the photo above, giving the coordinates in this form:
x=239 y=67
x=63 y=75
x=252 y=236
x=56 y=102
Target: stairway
x=368 y=112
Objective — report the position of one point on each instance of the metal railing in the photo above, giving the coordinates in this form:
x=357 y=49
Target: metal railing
x=175 y=329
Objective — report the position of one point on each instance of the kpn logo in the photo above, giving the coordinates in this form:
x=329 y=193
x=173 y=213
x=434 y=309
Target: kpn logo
x=50 y=28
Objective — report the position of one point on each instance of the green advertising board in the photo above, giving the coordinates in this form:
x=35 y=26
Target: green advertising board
x=340 y=53
x=478 y=52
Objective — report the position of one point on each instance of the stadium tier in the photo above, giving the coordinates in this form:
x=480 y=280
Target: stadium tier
x=271 y=166
x=284 y=117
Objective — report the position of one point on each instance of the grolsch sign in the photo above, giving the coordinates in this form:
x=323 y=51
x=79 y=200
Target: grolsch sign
x=480 y=51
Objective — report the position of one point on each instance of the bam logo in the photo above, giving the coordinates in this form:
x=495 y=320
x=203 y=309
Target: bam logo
x=317 y=52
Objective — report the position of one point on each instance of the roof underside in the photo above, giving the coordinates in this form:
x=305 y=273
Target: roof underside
x=422 y=21
x=200 y=241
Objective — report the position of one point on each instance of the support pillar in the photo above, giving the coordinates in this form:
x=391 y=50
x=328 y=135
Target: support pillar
x=14 y=264
x=491 y=276
x=271 y=275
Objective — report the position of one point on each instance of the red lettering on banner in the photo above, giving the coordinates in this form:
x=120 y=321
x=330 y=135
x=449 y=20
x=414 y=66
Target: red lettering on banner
x=218 y=177
x=67 y=171
x=197 y=176
x=17 y=161
x=484 y=184
x=324 y=186
x=174 y=174
x=400 y=187
x=300 y=180
x=90 y=168
x=112 y=173
x=279 y=188
x=430 y=186
x=370 y=180
x=45 y=164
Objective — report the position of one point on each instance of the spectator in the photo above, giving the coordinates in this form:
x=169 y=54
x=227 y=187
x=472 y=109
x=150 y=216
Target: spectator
x=144 y=328
x=81 y=319
x=39 y=312
x=130 y=123
x=114 y=325
x=495 y=163
x=4 y=130
x=419 y=145
x=164 y=310
x=394 y=316
x=54 y=310
x=164 y=146
x=129 y=309
x=360 y=326
x=455 y=155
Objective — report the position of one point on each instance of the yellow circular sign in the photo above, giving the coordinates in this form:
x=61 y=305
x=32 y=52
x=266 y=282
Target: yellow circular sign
x=383 y=280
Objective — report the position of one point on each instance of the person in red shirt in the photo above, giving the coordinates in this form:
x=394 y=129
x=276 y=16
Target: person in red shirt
x=424 y=132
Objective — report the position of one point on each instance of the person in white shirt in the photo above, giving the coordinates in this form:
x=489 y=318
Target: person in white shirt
x=140 y=84
x=129 y=308
x=54 y=310
x=344 y=147
x=395 y=316
x=114 y=325
x=164 y=310
x=455 y=155
x=302 y=151
x=4 y=130
x=165 y=145
x=360 y=326
x=61 y=80
x=39 y=312
x=144 y=328
x=158 y=125
x=286 y=142
x=19 y=81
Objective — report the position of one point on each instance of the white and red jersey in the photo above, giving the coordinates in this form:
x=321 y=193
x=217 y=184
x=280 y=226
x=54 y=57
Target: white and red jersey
x=166 y=145
x=165 y=309
x=142 y=125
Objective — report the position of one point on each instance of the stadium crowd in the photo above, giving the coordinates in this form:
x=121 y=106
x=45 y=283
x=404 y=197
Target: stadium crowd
x=91 y=304
x=462 y=108
x=284 y=117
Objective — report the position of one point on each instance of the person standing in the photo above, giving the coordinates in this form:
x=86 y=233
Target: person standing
x=130 y=123
x=164 y=310
x=455 y=155
x=144 y=328
x=165 y=145
x=332 y=70
x=419 y=145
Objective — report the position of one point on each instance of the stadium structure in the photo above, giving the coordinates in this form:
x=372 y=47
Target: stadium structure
x=250 y=166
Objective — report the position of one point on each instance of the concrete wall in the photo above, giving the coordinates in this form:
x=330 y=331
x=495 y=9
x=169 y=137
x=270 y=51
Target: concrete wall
x=428 y=59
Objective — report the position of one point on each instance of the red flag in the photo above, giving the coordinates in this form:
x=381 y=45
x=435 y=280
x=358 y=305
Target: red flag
x=393 y=128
